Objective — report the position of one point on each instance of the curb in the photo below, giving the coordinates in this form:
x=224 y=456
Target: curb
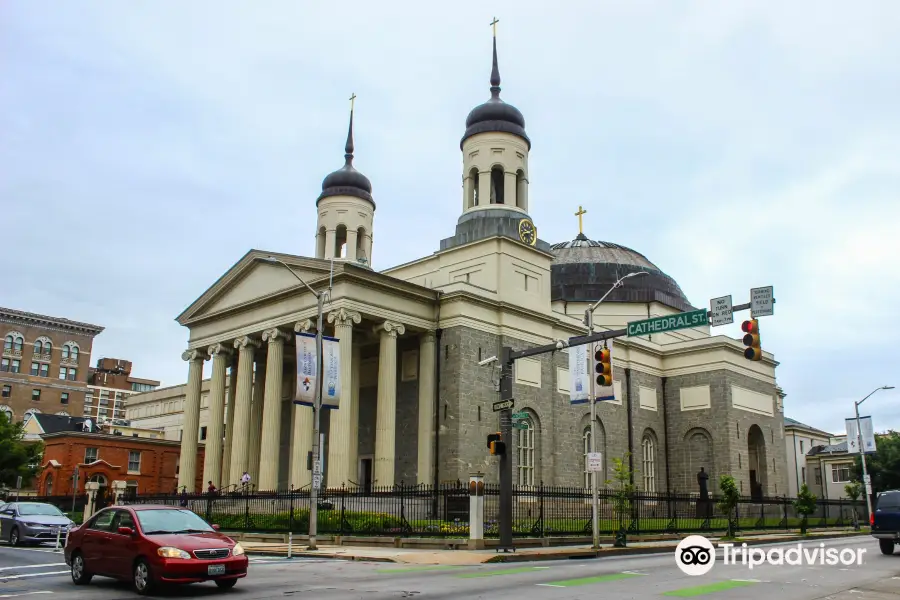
x=536 y=557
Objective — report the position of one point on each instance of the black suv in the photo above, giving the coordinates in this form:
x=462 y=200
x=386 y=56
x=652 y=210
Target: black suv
x=886 y=521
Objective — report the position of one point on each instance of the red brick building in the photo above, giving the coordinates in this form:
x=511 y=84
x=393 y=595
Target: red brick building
x=149 y=466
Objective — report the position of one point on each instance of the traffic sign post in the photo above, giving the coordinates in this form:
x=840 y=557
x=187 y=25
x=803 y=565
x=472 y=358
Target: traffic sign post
x=762 y=302
x=685 y=320
x=503 y=405
x=721 y=311
x=520 y=415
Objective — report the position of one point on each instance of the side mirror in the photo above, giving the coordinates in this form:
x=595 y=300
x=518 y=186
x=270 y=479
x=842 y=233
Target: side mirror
x=215 y=527
x=126 y=530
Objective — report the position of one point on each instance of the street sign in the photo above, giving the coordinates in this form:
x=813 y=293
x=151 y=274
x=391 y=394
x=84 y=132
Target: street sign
x=522 y=415
x=695 y=318
x=867 y=479
x=503 y=404
x=595 y=462
x=317 y=480
x=19 y=482
x=720 y=311
x=520 y=425
x=762 y=302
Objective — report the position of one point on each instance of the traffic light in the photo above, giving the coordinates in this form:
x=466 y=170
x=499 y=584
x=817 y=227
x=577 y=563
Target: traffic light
x=496 y=445
x=603 y=366
x=751 y=340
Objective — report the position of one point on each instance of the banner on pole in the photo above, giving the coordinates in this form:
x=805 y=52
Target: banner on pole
x=581 y=372
x=868 y=435
x=307 y=368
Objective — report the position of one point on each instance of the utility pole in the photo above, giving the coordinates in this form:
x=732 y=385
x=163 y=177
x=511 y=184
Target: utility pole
x=506 y=393
x=862 y=454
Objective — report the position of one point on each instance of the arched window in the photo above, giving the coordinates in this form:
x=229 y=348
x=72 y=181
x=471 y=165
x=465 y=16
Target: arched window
x=8 y=343
x=63 y=413
x=340 y=241
x=586 y=443
x=48 y=485
x=73 y=353
x=497 y=182
x=320 y=243
x=525 y=447
x=39 y=347
x=98 y=478
x=65 y=351
x=18 y=343
x=648 y=462
x=70 y=351
x=521 y=190
x=361 y=254
x=6 y=410
x=472 y=188
x=48 y=347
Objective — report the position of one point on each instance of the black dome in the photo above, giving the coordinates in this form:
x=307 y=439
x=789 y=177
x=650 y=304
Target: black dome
x=347 y=181
x=495 y=114
x=583 y=270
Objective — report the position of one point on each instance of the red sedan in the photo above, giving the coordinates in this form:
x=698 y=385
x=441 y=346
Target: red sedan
x=150 y=545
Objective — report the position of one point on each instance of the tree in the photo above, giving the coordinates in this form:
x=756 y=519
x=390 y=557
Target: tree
x=805 y=505
x=17 y=457
x=623 y=490
x=854 y=491
x=729 y=501
x=884 y=465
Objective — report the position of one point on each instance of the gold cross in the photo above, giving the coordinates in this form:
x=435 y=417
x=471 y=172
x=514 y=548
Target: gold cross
x=494 y=25
x=580 y=212
x=352 y=98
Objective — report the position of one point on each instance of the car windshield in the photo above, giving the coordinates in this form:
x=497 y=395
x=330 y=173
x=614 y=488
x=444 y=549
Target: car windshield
x=890 y=500
x=171 y=521
x=39 y=509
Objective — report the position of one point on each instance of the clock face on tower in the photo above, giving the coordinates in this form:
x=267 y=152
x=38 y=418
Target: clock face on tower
x=527 y=232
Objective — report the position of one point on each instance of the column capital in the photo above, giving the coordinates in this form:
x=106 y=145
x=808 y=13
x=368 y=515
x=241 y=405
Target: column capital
x=428 y=337
x=343 y=317
x=219 y=349
x=274 y=335
x=390 y=328
x=246 y=342
x=195 y=354
x=304 y=326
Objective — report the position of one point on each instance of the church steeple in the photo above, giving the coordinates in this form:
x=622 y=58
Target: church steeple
x=347 y=180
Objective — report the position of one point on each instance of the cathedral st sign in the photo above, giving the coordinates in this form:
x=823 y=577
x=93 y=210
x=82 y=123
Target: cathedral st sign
x=696 y=318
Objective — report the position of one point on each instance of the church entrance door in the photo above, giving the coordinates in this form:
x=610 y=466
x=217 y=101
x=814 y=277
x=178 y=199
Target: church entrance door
x=365 y=473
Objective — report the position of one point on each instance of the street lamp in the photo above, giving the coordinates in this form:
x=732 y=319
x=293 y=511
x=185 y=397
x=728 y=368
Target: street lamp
x=862 y=455
x=589 y=323
x=317 y=405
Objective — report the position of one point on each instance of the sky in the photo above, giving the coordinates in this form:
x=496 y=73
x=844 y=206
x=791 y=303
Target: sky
x=147 y=146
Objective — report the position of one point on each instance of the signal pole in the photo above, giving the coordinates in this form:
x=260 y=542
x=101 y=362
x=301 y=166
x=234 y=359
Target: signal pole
x=506 y=393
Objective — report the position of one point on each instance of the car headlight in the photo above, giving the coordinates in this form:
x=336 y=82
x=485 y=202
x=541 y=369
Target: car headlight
x=238 y=550
x=32 y=525
x=169 y=552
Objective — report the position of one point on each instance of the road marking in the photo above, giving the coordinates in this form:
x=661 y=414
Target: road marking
x=25 y=594
x=33 y=566
x=6 y=577
x=719 y=586
x=589 y=580
x=499 y=572
x=423 y=568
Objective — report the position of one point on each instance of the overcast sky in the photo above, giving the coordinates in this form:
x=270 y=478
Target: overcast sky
x=147 y=146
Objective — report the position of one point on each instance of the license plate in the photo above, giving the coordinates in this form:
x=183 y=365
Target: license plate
x=216 y=570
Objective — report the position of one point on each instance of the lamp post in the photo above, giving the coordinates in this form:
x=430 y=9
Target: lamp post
x=317 y=405
x=589 y=323
x=862 y=455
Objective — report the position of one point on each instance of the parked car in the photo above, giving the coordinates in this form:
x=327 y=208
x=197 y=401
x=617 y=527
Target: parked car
x=886 y=521
x=150 y=545
x=32 y=522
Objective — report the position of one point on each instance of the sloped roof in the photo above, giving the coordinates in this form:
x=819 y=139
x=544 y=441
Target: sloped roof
x=789 y=422
x=59 y=423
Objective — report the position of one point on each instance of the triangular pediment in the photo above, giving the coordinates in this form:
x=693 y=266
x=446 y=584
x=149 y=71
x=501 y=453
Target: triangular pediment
x=253 y=278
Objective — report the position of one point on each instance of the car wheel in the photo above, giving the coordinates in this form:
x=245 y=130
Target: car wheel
x=14 y=539
x=887 y=546
x=142 y=578
x=226 y=584
x=80 y=575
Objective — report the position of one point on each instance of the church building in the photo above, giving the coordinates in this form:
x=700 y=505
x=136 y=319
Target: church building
x=415 y=405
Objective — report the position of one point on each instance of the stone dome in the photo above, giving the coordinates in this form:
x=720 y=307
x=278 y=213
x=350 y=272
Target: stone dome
x=583 y=270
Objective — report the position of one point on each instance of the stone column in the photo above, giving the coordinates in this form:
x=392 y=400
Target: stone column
x=212 y=461
x=426 y=408
x=509 y=188
x=302 y=432
x=270 y=446
x=484 y=188
x=118 y=488
x=256 y=410
x=340 y=435
x=240 y=443
x=476 y=511
x=187 y=465
x=229 y=419
x=91 y=487
x=386 y=415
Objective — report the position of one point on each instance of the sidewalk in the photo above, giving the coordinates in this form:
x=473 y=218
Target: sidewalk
x=413 y=556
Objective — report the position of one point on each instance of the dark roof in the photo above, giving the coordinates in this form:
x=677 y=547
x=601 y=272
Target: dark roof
x=59 y=423
x=583 y=270
x=347 y=181
x=789 y=422
x=828 y=449
x=495 y=114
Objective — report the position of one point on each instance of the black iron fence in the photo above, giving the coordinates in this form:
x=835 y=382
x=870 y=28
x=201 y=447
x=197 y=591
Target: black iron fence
x=539 y=511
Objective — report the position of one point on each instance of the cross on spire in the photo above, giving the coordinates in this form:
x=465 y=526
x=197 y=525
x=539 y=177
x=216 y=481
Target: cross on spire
x=494 y=25
x=352 y=99
x=580 y=212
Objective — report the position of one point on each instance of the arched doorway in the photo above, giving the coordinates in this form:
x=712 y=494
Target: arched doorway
x=103 y=492
x=756 y=455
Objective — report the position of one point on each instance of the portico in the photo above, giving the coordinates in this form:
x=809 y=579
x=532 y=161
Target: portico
x=252 y=341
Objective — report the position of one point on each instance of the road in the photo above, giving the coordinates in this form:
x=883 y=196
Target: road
x=36 y=573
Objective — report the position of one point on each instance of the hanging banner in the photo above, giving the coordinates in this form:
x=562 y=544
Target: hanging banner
x=581 y=371
x=868 y=435
x=306 y=371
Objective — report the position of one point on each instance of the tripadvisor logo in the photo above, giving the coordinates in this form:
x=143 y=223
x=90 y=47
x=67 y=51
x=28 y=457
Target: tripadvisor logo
x=696 y=555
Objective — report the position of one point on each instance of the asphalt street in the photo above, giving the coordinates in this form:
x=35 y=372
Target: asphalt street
x=39 y=572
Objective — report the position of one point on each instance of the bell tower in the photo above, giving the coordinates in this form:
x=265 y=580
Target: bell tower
x=346 y=211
